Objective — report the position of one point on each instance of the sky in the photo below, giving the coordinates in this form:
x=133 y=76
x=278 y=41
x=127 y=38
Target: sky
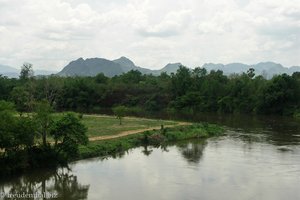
x=51 y=33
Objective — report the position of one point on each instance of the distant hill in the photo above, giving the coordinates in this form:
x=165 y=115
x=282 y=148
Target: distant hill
x=12 y=72
x=5 y=69
x=267 y=69
x=91 y=67
x=170 y=68
x=128 y=65
x=110 y=68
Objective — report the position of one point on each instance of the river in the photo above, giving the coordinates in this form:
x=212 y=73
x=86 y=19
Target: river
x=258 y=158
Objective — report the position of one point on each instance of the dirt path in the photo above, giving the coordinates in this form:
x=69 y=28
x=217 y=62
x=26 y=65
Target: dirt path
x=131 y=132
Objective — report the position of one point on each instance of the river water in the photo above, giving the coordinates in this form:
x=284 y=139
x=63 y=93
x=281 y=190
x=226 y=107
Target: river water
x=258 y=158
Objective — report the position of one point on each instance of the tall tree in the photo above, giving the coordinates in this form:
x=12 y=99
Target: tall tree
x=68 y=133
x=44 y=120
x=120 y=112
x=26 y=72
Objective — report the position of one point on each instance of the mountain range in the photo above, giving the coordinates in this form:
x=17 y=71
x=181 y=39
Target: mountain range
x=266 y=69
x=110 y=68
x=93 y=66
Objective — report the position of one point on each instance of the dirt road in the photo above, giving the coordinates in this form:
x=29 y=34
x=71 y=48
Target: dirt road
x=125 y=133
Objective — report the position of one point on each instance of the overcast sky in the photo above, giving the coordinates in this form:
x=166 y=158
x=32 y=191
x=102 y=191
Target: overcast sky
x=51 y=33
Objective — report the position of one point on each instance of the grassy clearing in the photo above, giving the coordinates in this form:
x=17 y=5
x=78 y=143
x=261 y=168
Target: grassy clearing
x=109 y=125
x=155 y=137
x=103 y=125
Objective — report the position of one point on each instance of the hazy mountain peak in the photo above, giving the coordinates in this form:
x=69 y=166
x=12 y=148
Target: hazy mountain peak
x=171 y=68
x=125 y=63
x=6 y=68
x=93 y=66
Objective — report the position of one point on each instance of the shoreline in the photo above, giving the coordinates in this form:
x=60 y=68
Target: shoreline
x=110 y=145
x=154 y=137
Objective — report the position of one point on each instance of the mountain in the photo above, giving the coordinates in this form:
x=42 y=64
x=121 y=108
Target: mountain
x=127 y=65
x=6 y=69
x=267 y=69
x=170 y=68
x=9 y=71
x=91 y=67
x=94 y=66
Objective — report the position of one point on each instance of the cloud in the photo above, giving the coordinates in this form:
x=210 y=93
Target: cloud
x=153 y=33
x=174 y=23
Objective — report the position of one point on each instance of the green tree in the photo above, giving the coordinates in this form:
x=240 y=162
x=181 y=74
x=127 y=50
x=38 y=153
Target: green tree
x=120 y=112
x=68 y=133
x=101 y=78
x=7 y=125
x=43 y=119
x=26 y=72
x=280 y=96
x=15 y=132
x=20 y=97
x=181 y=81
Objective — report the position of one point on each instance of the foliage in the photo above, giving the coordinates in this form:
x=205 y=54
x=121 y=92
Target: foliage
x=107 y=125
x=26 y=72
x=20 y=97
x=120 y=112
x=69 y=133
x=43 y=120
x=155 y=137
x=19 y=135
x=187 y=91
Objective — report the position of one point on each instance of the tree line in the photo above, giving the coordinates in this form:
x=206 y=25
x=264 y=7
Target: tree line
x=187 y=90
x=31 y=135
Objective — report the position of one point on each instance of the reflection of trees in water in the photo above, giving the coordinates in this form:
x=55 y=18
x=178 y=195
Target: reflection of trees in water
x=61 y=182
x=192 y=151
x=146 y=151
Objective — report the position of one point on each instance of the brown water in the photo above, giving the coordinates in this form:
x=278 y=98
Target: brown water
x=258 y=158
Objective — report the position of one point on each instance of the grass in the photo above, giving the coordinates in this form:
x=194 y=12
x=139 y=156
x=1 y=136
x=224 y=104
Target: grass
x=155 y=137
x=105 y=125
x=109 y=125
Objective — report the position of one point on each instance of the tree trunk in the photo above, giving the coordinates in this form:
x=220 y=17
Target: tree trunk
x=44 y=138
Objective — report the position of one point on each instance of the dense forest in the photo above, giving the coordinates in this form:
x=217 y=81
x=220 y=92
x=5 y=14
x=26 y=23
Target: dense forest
x=188 y=91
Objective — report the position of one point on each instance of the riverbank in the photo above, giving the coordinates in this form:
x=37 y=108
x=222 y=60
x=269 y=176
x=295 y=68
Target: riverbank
x=154 y=137
x=106 y=138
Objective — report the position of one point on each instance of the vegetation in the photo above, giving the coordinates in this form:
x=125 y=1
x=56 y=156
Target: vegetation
x=102 y=125
x=155 y=137
x=186 y=91
x=120 y=112
x=26 y=140
x=19 y=136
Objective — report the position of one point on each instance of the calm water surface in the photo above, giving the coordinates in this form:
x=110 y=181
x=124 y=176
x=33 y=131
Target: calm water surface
x=258 y=158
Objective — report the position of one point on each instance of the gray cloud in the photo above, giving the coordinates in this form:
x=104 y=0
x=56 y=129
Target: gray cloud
x=152 y=33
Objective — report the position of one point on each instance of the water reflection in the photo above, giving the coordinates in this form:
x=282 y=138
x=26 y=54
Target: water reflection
x=275 y=130
x=146 y=151
x=61 y=183
x=192 y=150
x=257 y=159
